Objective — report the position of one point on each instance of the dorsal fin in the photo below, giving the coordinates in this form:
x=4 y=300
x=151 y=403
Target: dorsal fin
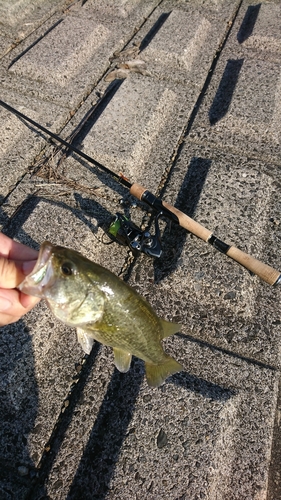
x=169 y=328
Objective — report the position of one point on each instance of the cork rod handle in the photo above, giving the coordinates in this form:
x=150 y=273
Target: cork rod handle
x=264 y=271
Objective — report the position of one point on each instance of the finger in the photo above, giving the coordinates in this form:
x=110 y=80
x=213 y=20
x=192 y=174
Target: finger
x=14 y=250
x=28 y=301
x=13 y=273
x=14 y=304
x=7 y=319
x=10 y=274
x=25 y=267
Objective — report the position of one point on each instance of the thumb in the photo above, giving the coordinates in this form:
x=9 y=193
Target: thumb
x=12 y=273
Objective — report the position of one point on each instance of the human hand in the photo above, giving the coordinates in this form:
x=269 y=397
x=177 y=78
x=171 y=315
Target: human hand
x=16 y=261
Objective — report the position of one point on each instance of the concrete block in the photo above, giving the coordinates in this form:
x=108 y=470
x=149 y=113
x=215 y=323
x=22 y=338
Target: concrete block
x=75 y=64
x=20 y=143
x=134 y=10
x=172 y=38
x=215 y=299
x=73 y=426
x=6 y=42
x=58 y=57
x=21 y=17
x=23 y=9
x=241 y=108
x=186 y=33
x=194 y=435
x=138 y=128
x=259 y=29
x=39 y=353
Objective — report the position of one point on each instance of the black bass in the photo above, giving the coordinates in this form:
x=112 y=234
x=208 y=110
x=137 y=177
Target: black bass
x=102 y=307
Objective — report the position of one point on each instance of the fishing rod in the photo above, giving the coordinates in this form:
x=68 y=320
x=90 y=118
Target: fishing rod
x=151 y=244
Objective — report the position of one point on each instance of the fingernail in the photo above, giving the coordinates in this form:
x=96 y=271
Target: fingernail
x=28 y=266
x=5 y=304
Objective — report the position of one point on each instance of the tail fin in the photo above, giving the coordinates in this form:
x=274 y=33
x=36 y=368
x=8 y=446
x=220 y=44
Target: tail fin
x=156 y=374
x=169 y=328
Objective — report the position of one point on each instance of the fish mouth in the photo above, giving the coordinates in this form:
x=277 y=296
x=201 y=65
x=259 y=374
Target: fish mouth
x=42 y=273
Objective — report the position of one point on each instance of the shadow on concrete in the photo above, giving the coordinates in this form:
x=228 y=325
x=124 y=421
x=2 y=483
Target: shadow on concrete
x=88 y=121
x=11 y=229
x=87 y=207
x=227 y=352
x=78 y=135
x=154 y=30
x=174 y=236
x=96 y=468
x=56 y=439
x=13 y=224
x=19 y=404
x=248 y=23
x=224 y=94
x=34 y=43
x=112 y=425
x=18 y=387
x=109 y=431
x=202 y=387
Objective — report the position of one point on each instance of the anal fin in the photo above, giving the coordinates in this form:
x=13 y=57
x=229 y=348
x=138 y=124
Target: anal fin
x=156 y=374
x=122 y=359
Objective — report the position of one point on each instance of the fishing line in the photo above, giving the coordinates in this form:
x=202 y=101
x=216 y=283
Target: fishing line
x=139 y=240
x=91 y=160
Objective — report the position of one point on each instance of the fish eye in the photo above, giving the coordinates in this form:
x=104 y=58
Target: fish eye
x=67 y=269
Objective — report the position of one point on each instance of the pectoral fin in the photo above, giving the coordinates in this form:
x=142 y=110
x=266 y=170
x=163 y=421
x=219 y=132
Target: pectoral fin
x=85 y=340
x=122 y=359
x=156 y=374
x=169 y=328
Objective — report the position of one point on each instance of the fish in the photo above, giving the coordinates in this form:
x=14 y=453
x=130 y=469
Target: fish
x=103 y=308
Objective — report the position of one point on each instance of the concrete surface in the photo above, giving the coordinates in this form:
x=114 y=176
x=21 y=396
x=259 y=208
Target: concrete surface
x=201 y=126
